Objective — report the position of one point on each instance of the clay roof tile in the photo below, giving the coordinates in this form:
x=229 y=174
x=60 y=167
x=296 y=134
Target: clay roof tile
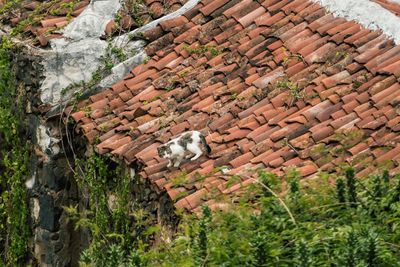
x=372 y=52
x=389 y=5
x=322 y=133
x=308 y=170
x=335 y=79
x=357 y=36
x=167 y=25
x=233 y=96
x=345 y=33
x=52 y=21
x=393 y=68
x=268 y=20
x=242 y=160
x=251 y=17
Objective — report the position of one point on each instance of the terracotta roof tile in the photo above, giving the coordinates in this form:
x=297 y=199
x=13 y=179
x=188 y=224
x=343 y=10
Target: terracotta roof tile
x=44 y=24
x=389 y=5
x=251 y=17
x=334 y=76
x=357 y=36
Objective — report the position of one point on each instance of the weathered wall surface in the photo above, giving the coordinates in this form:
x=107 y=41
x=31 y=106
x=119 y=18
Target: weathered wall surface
x=77 y=56
x=54 y=242
x=43 y=75
x=51 y=183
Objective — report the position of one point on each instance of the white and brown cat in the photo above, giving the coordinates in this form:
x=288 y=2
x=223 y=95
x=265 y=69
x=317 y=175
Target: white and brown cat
x=184 y=146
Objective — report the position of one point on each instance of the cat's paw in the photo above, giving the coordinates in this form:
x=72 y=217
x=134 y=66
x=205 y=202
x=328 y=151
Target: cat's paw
x=196 y=157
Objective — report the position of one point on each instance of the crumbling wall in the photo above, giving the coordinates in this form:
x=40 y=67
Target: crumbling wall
x=51 y=185
x=42 y=75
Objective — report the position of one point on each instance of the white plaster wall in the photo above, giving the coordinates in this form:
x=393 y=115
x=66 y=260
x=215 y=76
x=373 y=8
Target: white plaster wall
x=77 y=56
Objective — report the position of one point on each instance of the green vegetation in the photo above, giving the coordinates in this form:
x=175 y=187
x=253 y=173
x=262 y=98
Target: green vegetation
x=80 y=88
x=119 y=53
x=116 y=223
x=332 y=227
x=135 y=7
x=203 y=49
x=52 y=7
x=355 y=223
x=14 y=229
x=294 y=90
x=112 y=57
x=9 y=5
x=289 y=56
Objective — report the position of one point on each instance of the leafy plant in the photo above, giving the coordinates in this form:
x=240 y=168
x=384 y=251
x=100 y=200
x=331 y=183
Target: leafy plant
x=261 y=233
x=14 y=229
x=294 y=90
x=351 y=187
x=341 y=190
x=203 y=49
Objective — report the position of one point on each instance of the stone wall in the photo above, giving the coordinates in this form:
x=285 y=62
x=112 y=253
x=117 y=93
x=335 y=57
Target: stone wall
x=52 y=185
x=54 y=241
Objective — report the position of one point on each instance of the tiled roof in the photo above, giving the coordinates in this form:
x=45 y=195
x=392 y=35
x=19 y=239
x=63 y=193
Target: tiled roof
x=389 y=5
x=146 y=11
x=45 y=19
x=42 y=18
x=159 y=8
x=272 y=84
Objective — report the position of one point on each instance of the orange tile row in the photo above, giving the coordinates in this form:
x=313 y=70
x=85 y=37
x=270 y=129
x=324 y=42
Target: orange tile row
x=272 y=84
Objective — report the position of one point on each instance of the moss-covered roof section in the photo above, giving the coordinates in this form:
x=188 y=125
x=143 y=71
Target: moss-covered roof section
x=41 y=21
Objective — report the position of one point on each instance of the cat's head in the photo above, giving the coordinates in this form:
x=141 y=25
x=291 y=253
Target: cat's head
x=164 y=151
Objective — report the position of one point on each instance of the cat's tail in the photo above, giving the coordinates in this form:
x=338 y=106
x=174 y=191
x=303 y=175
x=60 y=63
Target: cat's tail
x=204 y=142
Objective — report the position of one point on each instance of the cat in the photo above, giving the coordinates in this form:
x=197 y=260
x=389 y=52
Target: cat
x=175 y=150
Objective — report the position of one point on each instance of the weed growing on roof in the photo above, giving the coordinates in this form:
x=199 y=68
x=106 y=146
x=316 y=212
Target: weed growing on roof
x=171 y=87
x=154 y=98
x=136 y=9
x=136 y=36
x=234 y=179
x=103 y=128
x=36 y=16
x=348 y=138
x=184 y=74
x=117 y=18
x=119 y=53
x=146 y=60
x=334 y=57
x=181 y=195
x=356 y=84
x=294 y=90
x=14 y=228
x=289 y=55
x=87 y=111
x=136 y=6
x=132 y=130
x=203 y=49
x=9 y=5
x=366 y=77
x=180 y=180
x=322 y=153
